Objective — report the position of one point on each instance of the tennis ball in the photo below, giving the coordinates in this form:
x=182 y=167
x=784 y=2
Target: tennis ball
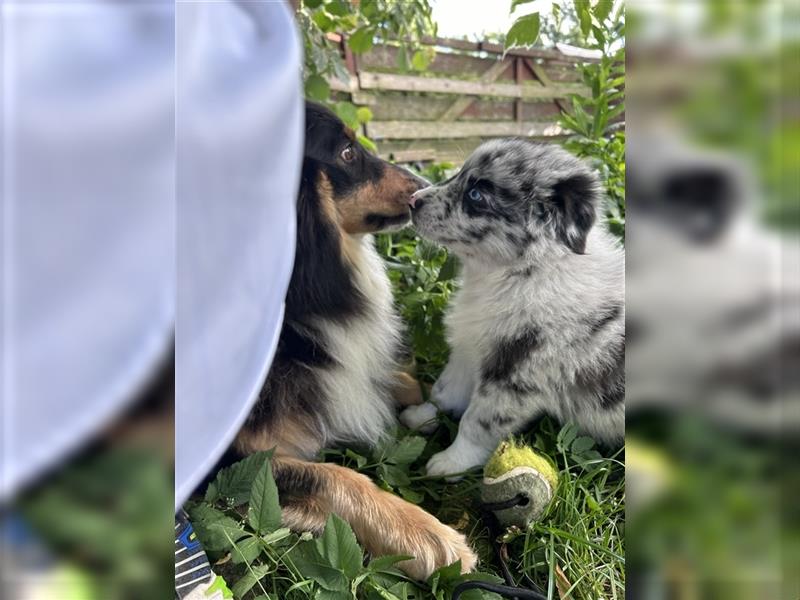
x=518 y=484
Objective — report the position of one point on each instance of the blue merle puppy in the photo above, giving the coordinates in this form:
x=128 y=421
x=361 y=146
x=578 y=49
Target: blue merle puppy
x=538 y=325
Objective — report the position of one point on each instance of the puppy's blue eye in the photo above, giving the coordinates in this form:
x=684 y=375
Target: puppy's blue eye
x=474 y=195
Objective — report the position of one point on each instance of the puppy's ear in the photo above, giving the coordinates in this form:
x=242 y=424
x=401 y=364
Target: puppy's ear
x=574 y=202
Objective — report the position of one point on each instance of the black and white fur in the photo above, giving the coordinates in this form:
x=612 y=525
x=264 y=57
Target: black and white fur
x=538 y=325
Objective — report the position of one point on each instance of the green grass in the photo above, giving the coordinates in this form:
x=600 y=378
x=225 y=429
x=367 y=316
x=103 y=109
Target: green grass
x=575 y=551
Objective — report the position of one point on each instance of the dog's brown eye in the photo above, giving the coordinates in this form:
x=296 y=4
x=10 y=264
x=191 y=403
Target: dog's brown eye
x=348 y=154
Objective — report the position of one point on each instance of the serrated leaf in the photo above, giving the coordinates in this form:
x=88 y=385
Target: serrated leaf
x=310 y=564
x=524 y=31
x=264 y=514
x=236 y=481
x=317 y=88
x=251 y=577
x=361 y=40
x=393 y=475
x=246 y=551
x=214 y=528
x=406 y=451
x=339 y=547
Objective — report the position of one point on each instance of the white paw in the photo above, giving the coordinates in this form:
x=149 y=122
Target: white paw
x=421 y=417
x=461 y=456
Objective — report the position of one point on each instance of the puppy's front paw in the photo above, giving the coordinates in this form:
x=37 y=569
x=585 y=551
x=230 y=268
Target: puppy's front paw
x=448 y=463
x=421 y=417
x=461 y=456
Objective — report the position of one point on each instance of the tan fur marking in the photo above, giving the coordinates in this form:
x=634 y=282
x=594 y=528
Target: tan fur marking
x=383 y=523
x=291 y=438
x=406 y=391
x=389 y=197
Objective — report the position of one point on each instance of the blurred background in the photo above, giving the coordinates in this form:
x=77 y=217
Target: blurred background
x=712 y=300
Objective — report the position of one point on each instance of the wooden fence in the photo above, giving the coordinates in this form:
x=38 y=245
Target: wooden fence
x=470 y=92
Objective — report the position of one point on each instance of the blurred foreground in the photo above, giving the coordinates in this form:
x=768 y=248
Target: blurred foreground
x=713 y=300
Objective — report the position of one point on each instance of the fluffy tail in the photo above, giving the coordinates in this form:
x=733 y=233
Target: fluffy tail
x=382 y=522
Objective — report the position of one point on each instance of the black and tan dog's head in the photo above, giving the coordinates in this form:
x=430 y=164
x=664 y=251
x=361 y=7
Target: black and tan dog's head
x=364 y=193
x=344 y=191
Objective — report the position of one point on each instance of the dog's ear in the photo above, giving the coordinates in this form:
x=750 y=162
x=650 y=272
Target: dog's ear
x=322 y=280
x=574 y=200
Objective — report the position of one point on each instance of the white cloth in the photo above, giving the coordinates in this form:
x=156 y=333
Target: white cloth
x=239 y=142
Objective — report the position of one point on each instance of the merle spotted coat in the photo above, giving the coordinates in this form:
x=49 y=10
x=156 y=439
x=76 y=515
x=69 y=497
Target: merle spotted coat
x=538 y=325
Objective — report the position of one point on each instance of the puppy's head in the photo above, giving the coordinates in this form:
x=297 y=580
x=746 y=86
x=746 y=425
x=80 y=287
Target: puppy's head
x=510 y=197
x=365 y=194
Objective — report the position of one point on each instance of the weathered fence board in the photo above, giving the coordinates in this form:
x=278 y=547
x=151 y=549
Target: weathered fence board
x=471 y=91
x=411 y=83
x=419 y=130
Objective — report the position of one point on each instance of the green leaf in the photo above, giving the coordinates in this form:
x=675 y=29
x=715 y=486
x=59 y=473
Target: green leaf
x=276 y=536
x=348 y=113
x=363 y=114
x=362 y=40
x=394 y=475
x=411 y=495
x=317 y=88
x=246 y=551
x=584 y=17
x=323 y=21
x=516 y=3
x=236 y=481
x=449 y=269
x=384 y=562
x=340 y=8
x=312 y=3
x=422 y=58
x=310 y=564
x=214 y=528
x=360 y=460
x=582 y=444
x=524 y=31
x=251 y=577
x=603 y=9
x=369 y=145
x=333 y=595
x=339 y=547
x=264 y=514
x=406 y=451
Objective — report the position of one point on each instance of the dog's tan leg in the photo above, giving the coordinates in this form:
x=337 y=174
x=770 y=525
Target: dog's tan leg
x=382 y=522
x=407 y=390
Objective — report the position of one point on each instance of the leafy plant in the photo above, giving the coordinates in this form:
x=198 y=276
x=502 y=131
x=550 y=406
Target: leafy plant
x=362 y=23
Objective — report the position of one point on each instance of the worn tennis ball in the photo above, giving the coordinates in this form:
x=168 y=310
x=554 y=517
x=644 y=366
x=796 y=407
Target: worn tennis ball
x=518 y=484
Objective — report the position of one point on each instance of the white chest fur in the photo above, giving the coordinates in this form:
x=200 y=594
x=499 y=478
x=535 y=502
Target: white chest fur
x=364 y=346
